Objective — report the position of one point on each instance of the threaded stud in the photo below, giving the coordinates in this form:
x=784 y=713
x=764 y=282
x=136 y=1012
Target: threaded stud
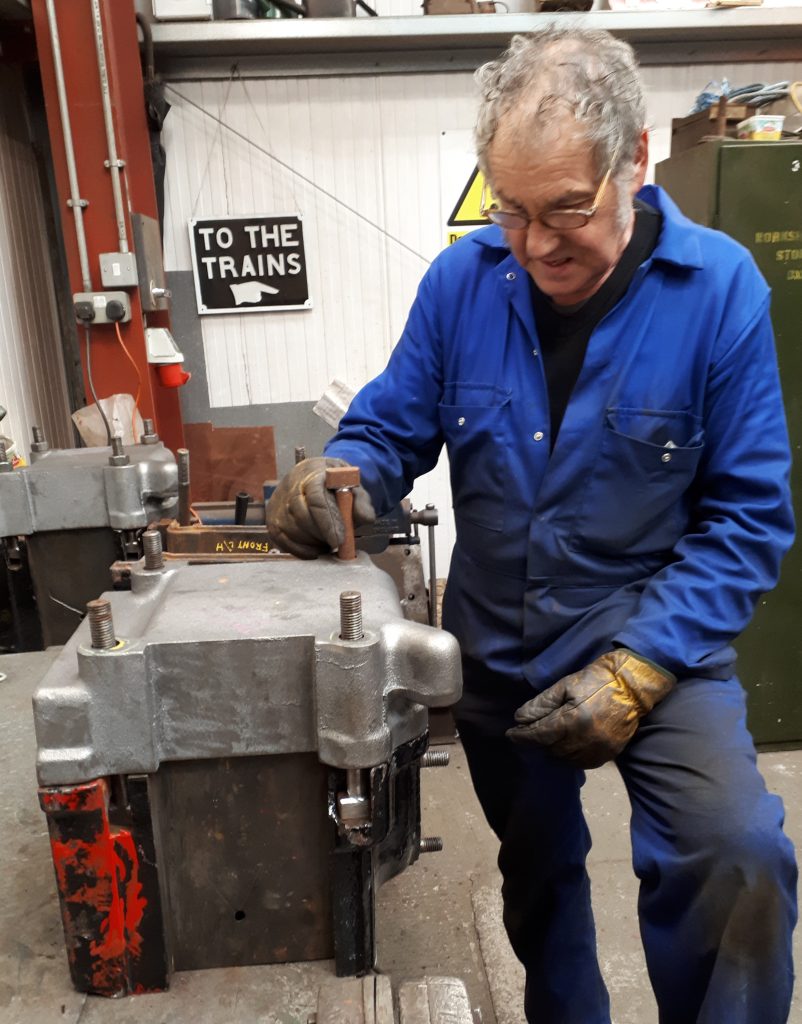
x=5 y=464
x=435 y=759
x=118 y=456
x=431 y=844
x=351 y=615
x=40 y=443
x=149 y=435
x=300 y=454
x=101 y=626
x=152 y=548
x=184 y=506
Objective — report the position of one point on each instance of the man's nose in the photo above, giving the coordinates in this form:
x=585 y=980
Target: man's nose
x=541 y=241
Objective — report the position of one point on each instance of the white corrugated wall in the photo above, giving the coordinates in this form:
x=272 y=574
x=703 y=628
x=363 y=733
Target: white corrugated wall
x=327 y=147
x=32 y=386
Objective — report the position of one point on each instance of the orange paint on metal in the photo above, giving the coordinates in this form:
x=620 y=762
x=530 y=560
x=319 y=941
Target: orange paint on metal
x=133 y=900
x=99 y=871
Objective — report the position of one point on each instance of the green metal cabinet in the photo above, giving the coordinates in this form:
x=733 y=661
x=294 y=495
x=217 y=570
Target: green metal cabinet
x=753 y=192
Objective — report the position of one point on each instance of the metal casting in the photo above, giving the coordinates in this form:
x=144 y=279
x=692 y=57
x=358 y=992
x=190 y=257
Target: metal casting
x=274 y=717
x=78 y=489
x=246 y=658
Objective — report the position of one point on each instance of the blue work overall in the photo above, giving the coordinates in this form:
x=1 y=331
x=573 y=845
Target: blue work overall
x=655 y=521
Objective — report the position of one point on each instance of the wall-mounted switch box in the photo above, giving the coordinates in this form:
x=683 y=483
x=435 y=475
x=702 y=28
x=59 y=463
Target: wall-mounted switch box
x=101 y=307
x=118 y=270
x=179 y=9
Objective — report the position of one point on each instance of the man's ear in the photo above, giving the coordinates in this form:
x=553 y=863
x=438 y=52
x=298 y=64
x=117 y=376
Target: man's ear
x=640 y=162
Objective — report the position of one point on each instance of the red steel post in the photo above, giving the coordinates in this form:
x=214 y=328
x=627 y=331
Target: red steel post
x=111 y=370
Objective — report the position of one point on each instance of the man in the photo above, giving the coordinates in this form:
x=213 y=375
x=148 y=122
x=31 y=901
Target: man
x=604 y=377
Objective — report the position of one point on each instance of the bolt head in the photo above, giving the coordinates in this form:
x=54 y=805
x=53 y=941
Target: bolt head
x=342 y=476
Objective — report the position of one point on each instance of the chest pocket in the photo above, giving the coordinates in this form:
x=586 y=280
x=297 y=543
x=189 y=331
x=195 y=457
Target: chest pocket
x=474 y=419
x=637 y=500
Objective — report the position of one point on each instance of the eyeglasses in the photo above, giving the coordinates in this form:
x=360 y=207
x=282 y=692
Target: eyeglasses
x=558 y=220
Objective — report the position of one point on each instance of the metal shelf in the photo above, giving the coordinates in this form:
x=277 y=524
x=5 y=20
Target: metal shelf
x=326 y=46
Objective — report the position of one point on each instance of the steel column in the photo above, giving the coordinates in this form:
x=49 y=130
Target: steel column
x=111 y=370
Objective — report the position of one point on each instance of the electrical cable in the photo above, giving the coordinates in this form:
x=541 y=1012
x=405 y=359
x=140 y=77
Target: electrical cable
x=138 y=379
x=92 y=385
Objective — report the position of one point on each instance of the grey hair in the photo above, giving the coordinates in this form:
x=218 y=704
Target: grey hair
x=584 y=74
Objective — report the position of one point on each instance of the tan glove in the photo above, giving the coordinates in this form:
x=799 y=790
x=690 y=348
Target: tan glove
x=590 y=716
x=302 y=515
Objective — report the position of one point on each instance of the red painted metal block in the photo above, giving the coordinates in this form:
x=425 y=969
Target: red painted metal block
x=98 y=873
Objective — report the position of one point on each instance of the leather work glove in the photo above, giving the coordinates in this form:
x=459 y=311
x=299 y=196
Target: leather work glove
x=302 y=515
x=590 y=716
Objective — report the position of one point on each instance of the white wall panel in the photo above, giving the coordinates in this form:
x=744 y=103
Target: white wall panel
x=32 y=385
x=361 y=143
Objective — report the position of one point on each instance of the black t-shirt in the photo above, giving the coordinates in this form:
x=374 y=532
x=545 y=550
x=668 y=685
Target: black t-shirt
x=564 y=336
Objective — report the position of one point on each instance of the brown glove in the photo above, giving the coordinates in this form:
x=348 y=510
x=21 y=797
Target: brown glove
x=590 y=716
x=302 y=515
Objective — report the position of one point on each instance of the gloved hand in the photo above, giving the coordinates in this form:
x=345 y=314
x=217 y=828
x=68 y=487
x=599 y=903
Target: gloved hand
x=590 y=716
x=302 y=516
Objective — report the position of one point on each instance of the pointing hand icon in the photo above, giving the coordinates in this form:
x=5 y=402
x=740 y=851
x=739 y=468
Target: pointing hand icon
x=251 y=291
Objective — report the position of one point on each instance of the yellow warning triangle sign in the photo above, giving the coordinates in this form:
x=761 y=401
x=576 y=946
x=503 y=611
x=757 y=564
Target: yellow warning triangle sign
x=469 y=205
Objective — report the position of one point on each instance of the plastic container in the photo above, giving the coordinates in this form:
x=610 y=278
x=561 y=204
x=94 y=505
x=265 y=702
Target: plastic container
x=762 y=127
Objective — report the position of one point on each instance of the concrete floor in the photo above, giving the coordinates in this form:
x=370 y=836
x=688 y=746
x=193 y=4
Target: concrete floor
x=443 y=916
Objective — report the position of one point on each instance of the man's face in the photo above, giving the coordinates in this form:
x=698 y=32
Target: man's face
x=567 y=265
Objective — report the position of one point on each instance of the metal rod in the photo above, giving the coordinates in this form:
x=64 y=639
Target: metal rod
x=432 y=574
x=355 y=781
x=432 y=579
x=241 y=504
x=69 y=149
x=114 y=165
x=300 y=454
x=184 y=510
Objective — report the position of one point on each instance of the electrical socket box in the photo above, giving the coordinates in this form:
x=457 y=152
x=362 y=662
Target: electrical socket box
x=101 y=303
x=161 y=346
x=118 y=270
x=173 y=10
